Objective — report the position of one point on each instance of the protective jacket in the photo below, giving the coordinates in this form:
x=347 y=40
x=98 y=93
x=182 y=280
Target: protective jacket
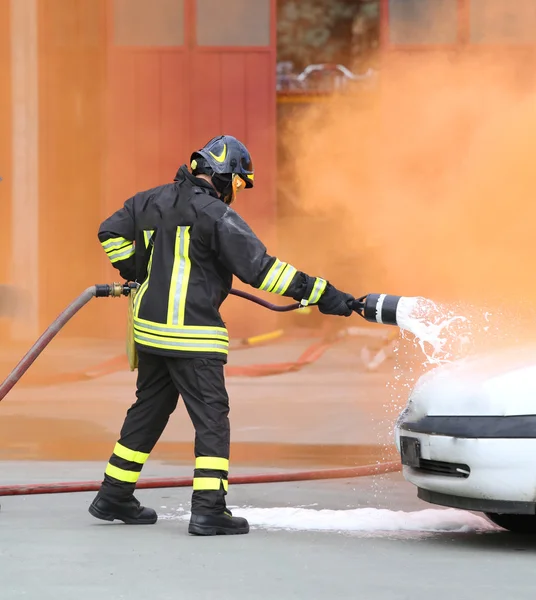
x=183 y=245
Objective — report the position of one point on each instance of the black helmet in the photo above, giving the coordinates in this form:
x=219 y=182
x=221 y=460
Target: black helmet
x=226 y=155
x=228 y=162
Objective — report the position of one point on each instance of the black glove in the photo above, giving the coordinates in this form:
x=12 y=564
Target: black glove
x=334 y=302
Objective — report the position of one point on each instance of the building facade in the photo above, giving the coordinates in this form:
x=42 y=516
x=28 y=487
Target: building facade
x=109 y=97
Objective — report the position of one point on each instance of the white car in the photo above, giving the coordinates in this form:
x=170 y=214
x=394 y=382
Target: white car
x=467 y=437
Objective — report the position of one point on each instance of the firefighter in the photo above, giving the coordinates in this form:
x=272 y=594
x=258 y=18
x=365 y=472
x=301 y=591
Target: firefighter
x=182 y=242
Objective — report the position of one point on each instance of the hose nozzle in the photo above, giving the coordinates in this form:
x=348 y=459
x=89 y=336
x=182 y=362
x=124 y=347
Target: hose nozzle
x=378 y=308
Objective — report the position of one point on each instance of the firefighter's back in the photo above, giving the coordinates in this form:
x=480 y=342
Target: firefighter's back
x=176 y=310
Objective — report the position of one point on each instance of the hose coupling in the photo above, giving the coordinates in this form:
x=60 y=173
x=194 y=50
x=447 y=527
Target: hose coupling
x=113 y=290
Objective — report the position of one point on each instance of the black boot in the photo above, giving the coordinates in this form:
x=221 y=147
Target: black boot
x=129 y=511
x=217 y=524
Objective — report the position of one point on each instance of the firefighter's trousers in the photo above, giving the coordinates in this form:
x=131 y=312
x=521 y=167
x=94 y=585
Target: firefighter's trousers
x=201 y=384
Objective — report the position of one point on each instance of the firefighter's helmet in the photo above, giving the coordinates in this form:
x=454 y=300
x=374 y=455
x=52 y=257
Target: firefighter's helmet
x=228 y=162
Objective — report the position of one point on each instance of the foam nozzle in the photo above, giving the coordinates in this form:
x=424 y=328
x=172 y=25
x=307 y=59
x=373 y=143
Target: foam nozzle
x=378 y=308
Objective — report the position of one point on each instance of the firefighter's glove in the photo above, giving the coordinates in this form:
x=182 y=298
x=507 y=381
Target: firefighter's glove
x=334 y=302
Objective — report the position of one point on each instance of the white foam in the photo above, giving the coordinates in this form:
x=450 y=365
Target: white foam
x=356 y=520
x=432 y=325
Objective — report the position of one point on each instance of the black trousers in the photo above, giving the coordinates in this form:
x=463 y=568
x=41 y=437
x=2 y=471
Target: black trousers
x=201 y=384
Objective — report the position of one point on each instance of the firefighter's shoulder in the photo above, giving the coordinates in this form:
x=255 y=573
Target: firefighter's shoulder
x=143 y=198
x=208 y=206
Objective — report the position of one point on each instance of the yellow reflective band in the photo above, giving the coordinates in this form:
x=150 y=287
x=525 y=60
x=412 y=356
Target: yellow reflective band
x=139 y=295
x=285 y=280
x=194 y=341
x=186 y=279
x=122 y=254
x=277 y=276
x=318 y=290
x=251 y=176
x=268 y=280
x=212 y=462
x=122 y=474
x=114 y=243
x=179 y=278
x=273 y=275
x=181 y=343
x=143 y=288
x=188 y=331
x=112 y=251
x=118 y=249
x=131 y=455
x=147 y=235
x=209 y=483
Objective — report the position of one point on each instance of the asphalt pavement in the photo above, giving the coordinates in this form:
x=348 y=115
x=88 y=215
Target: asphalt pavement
x=367 y=538
x=384 y=544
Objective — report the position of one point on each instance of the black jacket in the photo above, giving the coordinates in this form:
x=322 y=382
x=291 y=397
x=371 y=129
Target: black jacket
x=183 y=245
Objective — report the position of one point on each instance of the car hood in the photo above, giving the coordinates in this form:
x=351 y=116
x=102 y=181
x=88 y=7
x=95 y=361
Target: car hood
x=501 y=383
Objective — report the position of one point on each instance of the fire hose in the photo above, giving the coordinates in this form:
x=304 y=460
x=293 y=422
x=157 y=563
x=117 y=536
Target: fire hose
x=374 y=307
x=155 y=483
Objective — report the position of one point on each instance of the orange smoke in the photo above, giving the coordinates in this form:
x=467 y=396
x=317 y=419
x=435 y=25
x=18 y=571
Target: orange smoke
x=431 y=190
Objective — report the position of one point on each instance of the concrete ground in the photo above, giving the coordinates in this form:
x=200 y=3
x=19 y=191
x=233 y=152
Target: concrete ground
x=51 y=548
x=332 y=413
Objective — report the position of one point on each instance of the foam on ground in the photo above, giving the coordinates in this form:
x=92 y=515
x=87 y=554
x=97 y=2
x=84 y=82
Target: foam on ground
x=355 y=520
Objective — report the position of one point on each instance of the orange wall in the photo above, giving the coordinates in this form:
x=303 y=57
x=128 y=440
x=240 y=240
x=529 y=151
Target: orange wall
x=116 y=120
x=5 y=139
x=166 y=101
x=5 y=147
x=71 y=154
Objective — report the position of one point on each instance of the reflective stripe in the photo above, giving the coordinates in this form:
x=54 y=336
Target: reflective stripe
x=121 y=254
x=114 y=243
x=186 y=345
x=139 y=295
x=273 y=275
x=284 y=280
x=212 y=462
x=186 y=331
x=179 y=277
x=219 y=331
x=147 y=235
x=131 y=455
x=174 y=335
x=209 y=483
x=318 y=290
x=182 y=339
x=143 y=288
x=279 y=278
x=119 y=247
x=122 y=474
